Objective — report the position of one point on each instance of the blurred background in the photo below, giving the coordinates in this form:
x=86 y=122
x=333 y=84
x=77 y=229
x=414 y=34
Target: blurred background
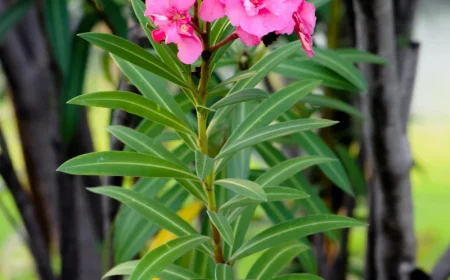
x=428 y=131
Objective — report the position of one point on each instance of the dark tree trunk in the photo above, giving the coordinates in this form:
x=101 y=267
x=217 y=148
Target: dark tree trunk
x=391 y=240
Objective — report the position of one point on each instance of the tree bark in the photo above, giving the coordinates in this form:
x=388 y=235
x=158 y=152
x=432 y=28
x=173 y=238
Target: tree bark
x=391 y=244
x=35 y=238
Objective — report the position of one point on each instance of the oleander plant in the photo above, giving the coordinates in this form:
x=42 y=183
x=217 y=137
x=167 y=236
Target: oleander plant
x=211 y=134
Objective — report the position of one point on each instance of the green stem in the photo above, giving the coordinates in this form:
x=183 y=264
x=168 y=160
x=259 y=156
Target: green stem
x=202 y=117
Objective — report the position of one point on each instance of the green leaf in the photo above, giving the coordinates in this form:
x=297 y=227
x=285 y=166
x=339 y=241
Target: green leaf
x=357 y=56
x=246 y=188
x=224 y=272
x=175 y=272
x=134 y=54
x=56 y=18
x=333 y=103
x=262 y=68
x=220 y=29
x=203 y=164
x=300 y=276
x=272 y=132
x=234 y=213
x=113 y=14
x=293 y=230
x=133 y=104
x=241 y=96
x=155 y=261
x=235 y=78
x=151 y=86
x=131 y=230
x=12 y=15
x=315 y=146
x=141 y=143
x=222 y=226
x=286 y=169
x=301 y=68
x=272 y=261
x=172 y=272
x=240 y=227
x=319 y=3
x=73 y=84
x=121 y=269
x=116 y=163
x=354 y=170
x=151 y=209
x=272 y=193
x=341 y=66
x=273 y=107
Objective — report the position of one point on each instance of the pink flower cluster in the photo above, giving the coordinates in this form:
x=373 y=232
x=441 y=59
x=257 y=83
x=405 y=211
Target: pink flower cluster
x=253 y=19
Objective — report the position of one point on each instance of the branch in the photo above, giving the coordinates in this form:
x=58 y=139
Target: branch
x=441 y=270
x=36 y=240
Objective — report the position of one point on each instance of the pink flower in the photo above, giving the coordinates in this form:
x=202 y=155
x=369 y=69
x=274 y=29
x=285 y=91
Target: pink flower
x=303 y=23
x=210 y=10
x=247 y=38
x=260 y=17
x=175 y=26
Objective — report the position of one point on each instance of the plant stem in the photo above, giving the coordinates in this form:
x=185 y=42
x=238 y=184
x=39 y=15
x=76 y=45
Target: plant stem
x=233 y=36
x=202 y=117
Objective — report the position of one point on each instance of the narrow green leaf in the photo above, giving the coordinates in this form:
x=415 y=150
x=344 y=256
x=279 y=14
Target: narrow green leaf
x=220 y=29
x=152 y=210
x=134 y=54
x=203 y=265
x=175 y=272
x=246 y=188
x=319 y=3
x=241 y=96
x=300 y=276
x=273 y=107
x=112 y=12
x=272 y=132
x=57 y=25
x=333 y=103
x=155 y=261
x=286 y=169
x=303 y=68
x=341 y=66
x=116 y=163
x=172 y=272
x=131 y=230
x=143 y=144
x=314 y=205
x=272 y=261
x=121 y=269
x=151 y=86
x=272 y=193
x=354 y=170
x=149 y=208
x=240 y=227
x=222 y=226
x=224 y=272
x=203 y=164
x=234 y=213
x=73 y=85
x=12 y=15
x=357 y=56
x=236 y=78
x=133 y=104
x=315 y=146
x=262 y=68
x=293 y=230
